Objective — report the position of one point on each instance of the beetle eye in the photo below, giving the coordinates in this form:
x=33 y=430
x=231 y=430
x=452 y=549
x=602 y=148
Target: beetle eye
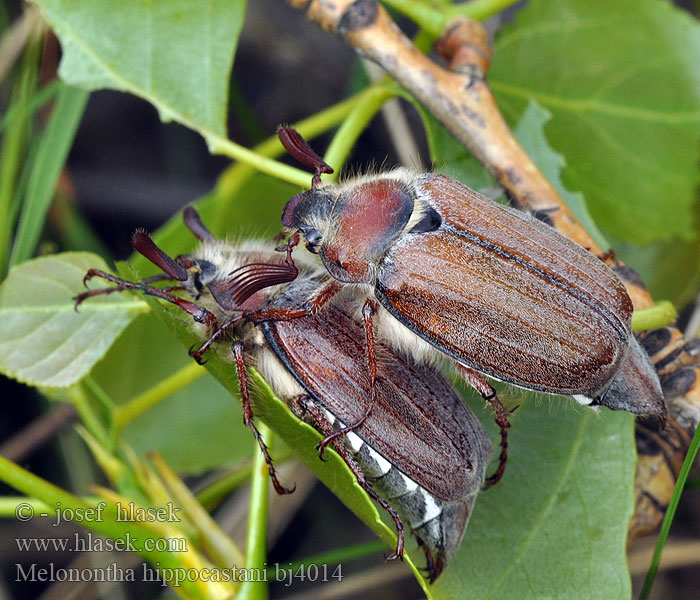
x=313 y=239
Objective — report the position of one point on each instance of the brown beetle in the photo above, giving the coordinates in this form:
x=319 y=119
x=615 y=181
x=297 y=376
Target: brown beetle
x=421 y=454
x=501 y=293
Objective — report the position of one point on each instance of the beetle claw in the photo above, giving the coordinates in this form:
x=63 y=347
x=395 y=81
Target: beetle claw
x=197 y=355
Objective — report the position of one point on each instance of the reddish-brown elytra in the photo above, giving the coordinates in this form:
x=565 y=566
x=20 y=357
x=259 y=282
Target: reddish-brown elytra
x=421 y=454
x=501 y=293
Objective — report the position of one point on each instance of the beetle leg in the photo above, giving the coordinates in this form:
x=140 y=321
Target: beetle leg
x=248 y=417
x=367 y=312
x=324 y=295
x=80 y=298
x=197 y=354
x=291 y=244
x=315 y=303
x=325 y=427
x=199 y=313
x=488 y=393
x=432 y=568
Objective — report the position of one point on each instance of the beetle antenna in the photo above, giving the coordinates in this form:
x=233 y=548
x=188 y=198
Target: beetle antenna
x=299 y=148
x=145 y=246
x=251 y=278
x=193 y=222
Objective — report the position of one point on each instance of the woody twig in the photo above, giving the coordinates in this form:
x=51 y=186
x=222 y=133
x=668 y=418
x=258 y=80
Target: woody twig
x=460 y=98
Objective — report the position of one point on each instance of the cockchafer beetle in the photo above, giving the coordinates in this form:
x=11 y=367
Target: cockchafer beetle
x=501 y=293
x=421 y=454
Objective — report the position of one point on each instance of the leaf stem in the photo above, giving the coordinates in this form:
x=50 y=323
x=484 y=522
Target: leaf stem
x=10 y=506
x=434 y=18
x=256 y=540
x=220 y=145
x=660 y=315
x=102 y=397
x=128 y=412
x=235 y=176
x=105 y=523
x=261 y=156
x=223 y=486
x=79 y=399
x=355 y=123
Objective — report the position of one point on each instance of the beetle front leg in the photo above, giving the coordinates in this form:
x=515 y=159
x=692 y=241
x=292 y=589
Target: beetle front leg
x=488 y=393
x=80 y=298
x=248 y=417
x=199 y=313
x=197 y=354
x=314 y=304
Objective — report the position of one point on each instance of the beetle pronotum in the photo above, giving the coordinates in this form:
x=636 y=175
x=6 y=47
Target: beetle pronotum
x=421 y=454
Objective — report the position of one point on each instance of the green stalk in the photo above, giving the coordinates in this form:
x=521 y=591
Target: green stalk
x=38 y=100
x=356 y=122
x=14 y=146
x=15 y=506
x=223 y=486
x=49 y=162
x=670 y=514
x=92 y=422
x=261 y=163
x=235 y=176
x=660 y=315
x=128 y=412
x=256 y=540
x=57 y=499
x=434 y=18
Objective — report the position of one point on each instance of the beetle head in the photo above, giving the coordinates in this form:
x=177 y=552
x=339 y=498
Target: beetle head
x=351 y=226
x=636 y=387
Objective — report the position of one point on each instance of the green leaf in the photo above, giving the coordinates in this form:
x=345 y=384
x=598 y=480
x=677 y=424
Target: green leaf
x=43 y=340
x=177 y=54
x=454 y=160
x=530 y=134
x=620 y=79
x=671 y=270
x=556 y=525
